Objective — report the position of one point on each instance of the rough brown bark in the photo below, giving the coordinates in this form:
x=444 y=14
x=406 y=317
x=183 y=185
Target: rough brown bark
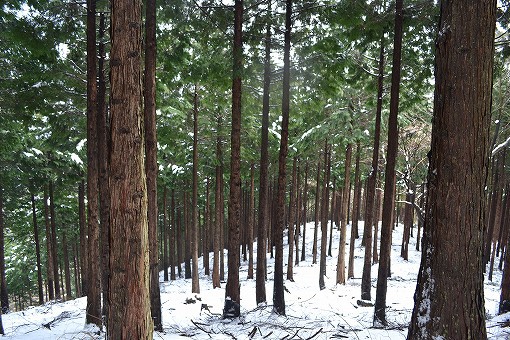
x=151 y=159
x=49 y=246
x=129 y=310
x=263 y=211
x=218 y=206
x=102 y=154
x=279 y=294
x=93 y=262
x=449 y=299
x=232 y=290
x=389 y=182
x=207 y=228
x=298 y=215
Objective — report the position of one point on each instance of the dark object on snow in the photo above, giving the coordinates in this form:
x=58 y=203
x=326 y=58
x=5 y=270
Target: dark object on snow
x=232 y=309
x=505 y=307
x=363 y=303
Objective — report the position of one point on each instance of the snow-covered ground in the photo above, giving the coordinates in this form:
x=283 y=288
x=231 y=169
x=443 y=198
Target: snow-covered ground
x=332 y=313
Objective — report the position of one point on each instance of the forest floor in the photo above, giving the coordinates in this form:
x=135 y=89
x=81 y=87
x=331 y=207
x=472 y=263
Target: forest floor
x=311 y=313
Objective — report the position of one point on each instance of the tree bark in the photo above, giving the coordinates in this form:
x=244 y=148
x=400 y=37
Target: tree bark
x=263 y=221
x=324 y=216
x=316 y=211
x=129 y=310
x=166 y=235
x=355 y=213
x=93 y=279
x=173 y=247
x=83 y=239
x=207 y=228
x=37 y=245
x=389 y=182
x=305 y=206
x=449 y=299
x=53 y=227
x=292 y=218
x=49 y=248
x=340 y=268
x=279 y=294
x=67 y=270
x=232 y=290
x=251 y=215
x=4 y=296
x=218 y=206
x=195 y=283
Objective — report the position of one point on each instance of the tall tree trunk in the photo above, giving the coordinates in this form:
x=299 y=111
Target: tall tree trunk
x=324 y=215
x=298 y=215
x=316 y=210
x=305 y=206
x=355 y=212
x=218 y=206
x=207 y=228
x=83 y=239
x=77 y=274
x=195 y=283
x=366 y=279
x=151 y=159
x=93 y=279
x=232 y=291
x=279 y=294
x=187 y=234
x=53 y=248
x=49 y=248
x=4 y=297
x=340 y=267
x=165 y=235
x=173 y=247
x=263 y=221
x=333 y=214
x=129 y=310
x=102 y=154
x=251 y=217
x=67 y=270
x=292 y=218
x=454 y=220
x=389 y=181
x=37 y=245
x=408 y=222
x=377 y=213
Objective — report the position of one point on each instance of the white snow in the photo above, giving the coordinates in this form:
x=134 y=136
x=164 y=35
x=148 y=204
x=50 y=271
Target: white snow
x=310 y=312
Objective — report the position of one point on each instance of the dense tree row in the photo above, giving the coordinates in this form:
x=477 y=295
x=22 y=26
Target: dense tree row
x=224 y=125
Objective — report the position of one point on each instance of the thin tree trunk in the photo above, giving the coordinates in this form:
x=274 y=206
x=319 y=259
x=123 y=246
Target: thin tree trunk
x=173 y=237
x=207 y=228
x=340 y=268
x=408 y=222
x=333 y=214
x=292 y=217
x=389 y=183
x=355 y=213
x=366 y=279
x=53 y=248
x=324 y=215
x=305 y=206
x=37 y=245
x=263 y=221
x=3 y=282
x=279 y=294
x=195 y=283
x=165 y=234
x=251 y=216
x=67 y=270
x=83 y=240
x=298 y=215
x=316 y=211
x=49 y=247
x=93 y=280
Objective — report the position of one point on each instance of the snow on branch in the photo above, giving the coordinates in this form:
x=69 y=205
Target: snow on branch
x=501 y=146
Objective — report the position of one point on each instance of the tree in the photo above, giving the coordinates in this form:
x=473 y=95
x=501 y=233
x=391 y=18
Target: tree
x=278 y=290
x=195 y=283
x=454 y=218
x=151 y=161
x=37 y=247
x=260 y=292
x=129 y=310
x=366 y=284
x=232 y=290
x=389 y=180
x=340 y=269
x=93 y=280
x=3 y=282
